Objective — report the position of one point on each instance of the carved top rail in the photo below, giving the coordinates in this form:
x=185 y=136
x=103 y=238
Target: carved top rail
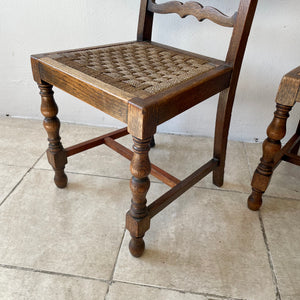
x=194 y=9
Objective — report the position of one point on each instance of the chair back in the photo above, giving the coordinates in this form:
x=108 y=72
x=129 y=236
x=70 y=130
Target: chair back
x=240 y=21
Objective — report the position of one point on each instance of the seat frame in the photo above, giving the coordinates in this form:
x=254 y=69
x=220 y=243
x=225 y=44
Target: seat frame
x=144 y=115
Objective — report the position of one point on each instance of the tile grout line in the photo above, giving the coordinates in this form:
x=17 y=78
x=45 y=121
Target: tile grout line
x=158 y=182
x=28 y=269
x=178 y=290
x=115 y=264
x=19 y=182
x=274 y=277
x=281 y=198
x=109 y=282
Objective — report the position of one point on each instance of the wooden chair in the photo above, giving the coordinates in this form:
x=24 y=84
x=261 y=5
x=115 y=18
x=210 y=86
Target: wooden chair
x=144 y=84
x=288 y=94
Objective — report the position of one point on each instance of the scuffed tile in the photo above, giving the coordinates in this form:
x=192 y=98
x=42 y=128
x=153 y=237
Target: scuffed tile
x=9 y=178
x=281 y=218
x=77 y=230
x=20 y=284
x=22 y=142
x=125 y=291
x=205 y=242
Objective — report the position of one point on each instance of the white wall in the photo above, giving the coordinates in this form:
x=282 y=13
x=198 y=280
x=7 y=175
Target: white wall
x=36 y=26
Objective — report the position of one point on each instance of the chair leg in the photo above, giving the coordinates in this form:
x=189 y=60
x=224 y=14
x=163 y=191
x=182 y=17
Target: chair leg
x=137 y=218
x=262 y=175
x=55 y=152
x=221 y=134
x=295 y=149
x=152 y=142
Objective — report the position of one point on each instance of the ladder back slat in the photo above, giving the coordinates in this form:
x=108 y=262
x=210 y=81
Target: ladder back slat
x=194 y=9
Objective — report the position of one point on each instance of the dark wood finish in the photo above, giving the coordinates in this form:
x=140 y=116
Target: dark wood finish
x=288 y=148
x=144 y=109
x=296 y=146
x=234 y=58
x=192 y=8
x=144 y=116
x=145 y=23
x=167 y=198
x=86 y=91
x=272 y=145
x=292 y=158
x=164 y=176
x=95 y=142
x=152 y=142
x=273 y=153
x=288 y=92
x=55 y=153
x=157 y=172
x=138 y=219
x=112 y=144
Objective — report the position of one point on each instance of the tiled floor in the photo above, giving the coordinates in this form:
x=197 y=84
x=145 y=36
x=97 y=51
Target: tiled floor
x=71 y=243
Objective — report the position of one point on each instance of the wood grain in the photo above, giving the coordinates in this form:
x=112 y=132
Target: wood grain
x=55 y=153
x=234 y=58
x=169 y=103
x=137 y=218
x=72 y=150
x=155 y=171
x=289 y=89
x=114 y=104
x=144 y=32
x=194 y=9
x=273 y=154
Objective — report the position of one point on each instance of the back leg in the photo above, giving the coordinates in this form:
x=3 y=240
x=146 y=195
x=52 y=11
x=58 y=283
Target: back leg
x=223 y=118
x=295 y=149
x=55 y=153
x=152 y=142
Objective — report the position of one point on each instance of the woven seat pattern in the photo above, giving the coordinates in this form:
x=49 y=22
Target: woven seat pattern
x=138 y=66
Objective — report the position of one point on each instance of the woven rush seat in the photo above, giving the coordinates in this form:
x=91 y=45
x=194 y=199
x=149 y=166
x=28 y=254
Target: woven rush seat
x=139 y=68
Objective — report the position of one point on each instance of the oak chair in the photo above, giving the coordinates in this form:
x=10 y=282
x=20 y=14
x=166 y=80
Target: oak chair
x=288 y=94
x=144 y=84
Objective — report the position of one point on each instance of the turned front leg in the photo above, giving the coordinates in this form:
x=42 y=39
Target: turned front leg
x=137 y=219
x=55 y=152
x=262 y=175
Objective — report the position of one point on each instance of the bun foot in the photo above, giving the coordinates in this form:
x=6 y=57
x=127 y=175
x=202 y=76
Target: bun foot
x=137 y=246
x=255 y=201
x=60 y=179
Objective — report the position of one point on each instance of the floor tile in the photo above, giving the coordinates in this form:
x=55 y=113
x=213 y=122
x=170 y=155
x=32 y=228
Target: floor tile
x=182 y=155
x=22 y=142
x=77 y=230
x=9 y=177
x=123 y=291
x=178 y=155
x=281 y=218
x=205 y=242
x=20 y=284
x=285 y=179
